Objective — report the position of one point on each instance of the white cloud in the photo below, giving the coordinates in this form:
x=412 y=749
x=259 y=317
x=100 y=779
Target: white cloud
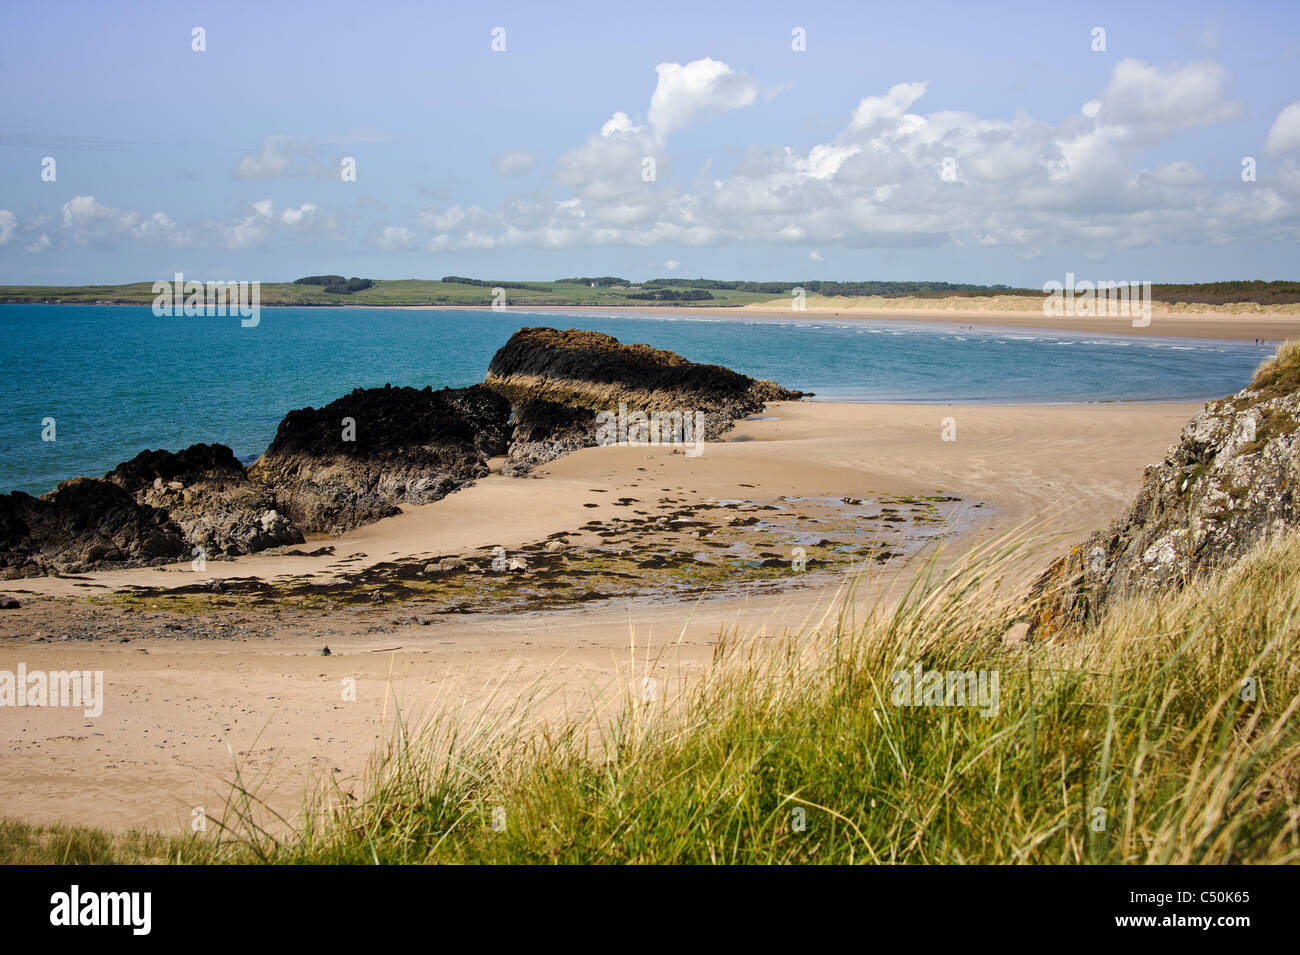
x=701 y=87
x=517 y=162
x=1284 y=136
x=297 y=216
x=396 y=238
x=251 y=229
x=8 y=224
x=883 y=182
x=620 y=122
x=672 y=265
x=300 y=157
x=892 y=106
x=85 y=213
x=159 y=229
x=1148 y=104
x=816 y=256
x=40 y=244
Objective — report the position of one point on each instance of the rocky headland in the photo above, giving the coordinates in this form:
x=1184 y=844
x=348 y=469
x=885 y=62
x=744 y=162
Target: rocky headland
x=361 y=457
x=561 y=380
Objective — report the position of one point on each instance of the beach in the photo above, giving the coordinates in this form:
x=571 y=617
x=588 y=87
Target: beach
x=189 y=696
x=1239 y=322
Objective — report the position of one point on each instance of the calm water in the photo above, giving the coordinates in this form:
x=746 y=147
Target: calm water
x=118 y=380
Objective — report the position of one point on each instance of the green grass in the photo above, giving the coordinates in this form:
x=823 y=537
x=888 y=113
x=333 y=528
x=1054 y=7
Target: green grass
x=1141 y=716
x=400 y=292
x=557 y=294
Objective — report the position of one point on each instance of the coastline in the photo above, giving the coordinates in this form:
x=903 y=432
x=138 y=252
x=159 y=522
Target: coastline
x=1272 y=328
x=1273 y=324
x=187 y=691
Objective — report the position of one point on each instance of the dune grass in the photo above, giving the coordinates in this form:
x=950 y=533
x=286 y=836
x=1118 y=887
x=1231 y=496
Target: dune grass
x=1165 y=734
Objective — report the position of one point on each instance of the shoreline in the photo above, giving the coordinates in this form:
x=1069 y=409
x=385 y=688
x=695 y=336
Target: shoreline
x=1182 y=321
x=185 y=690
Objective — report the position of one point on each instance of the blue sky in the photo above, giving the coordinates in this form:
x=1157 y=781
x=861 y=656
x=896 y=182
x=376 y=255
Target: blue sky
x=951 y=141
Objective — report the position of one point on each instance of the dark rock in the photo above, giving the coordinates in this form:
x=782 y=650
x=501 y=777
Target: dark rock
x=207 y=493
x=83 y=524
x=545 y=431
x=593 y=373
x=411 y=447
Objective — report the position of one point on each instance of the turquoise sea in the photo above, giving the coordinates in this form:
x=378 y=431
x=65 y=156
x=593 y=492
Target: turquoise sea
x=117 y=379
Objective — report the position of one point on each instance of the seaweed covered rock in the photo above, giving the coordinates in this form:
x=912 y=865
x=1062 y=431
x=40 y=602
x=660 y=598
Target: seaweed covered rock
x=541 y=368
x=1229 y=481
x=357 y=459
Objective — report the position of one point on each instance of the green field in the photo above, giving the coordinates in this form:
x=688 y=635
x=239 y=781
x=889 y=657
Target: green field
x=570 y=293
x=386 y=292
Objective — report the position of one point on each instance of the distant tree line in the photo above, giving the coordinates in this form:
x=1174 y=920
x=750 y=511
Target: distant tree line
x=672 y=295
x=336 y=284
x=829 y=288
x=1222 y=293
x=600 y=281
x=480 y=283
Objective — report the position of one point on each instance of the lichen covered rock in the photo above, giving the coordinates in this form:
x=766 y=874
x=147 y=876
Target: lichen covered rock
x=1229 y=481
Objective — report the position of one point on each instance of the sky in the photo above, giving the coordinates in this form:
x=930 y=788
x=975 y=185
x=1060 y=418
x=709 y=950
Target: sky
x=998 y=143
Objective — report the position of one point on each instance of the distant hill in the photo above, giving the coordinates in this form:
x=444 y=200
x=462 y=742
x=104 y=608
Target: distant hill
x=337 y=290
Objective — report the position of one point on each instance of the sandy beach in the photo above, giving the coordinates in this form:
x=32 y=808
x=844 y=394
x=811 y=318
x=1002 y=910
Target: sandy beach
x=188 y=696
x=1239 y=322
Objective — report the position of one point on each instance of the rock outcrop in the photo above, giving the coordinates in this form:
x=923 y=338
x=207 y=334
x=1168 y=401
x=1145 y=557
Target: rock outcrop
x=539 y=368
x=156 y=508
x=544 y=431
x=359 y=458
x=207 y=493
x=355 y=460
x=83 y=524
x=1229 y=481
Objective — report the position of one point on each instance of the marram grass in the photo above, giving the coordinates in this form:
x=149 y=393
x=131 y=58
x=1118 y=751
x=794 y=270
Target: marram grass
x=1168 y=733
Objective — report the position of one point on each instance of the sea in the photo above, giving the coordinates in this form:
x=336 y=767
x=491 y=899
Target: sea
x=106 y=382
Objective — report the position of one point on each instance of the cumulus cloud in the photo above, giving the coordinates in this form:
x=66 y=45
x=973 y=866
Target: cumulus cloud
x=891 y=106
x=1284 y=136
x=1148 y=103
x=897 y=175
x=8 y=225
x=85 y=219
x=251 y=229
x=701 y=87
